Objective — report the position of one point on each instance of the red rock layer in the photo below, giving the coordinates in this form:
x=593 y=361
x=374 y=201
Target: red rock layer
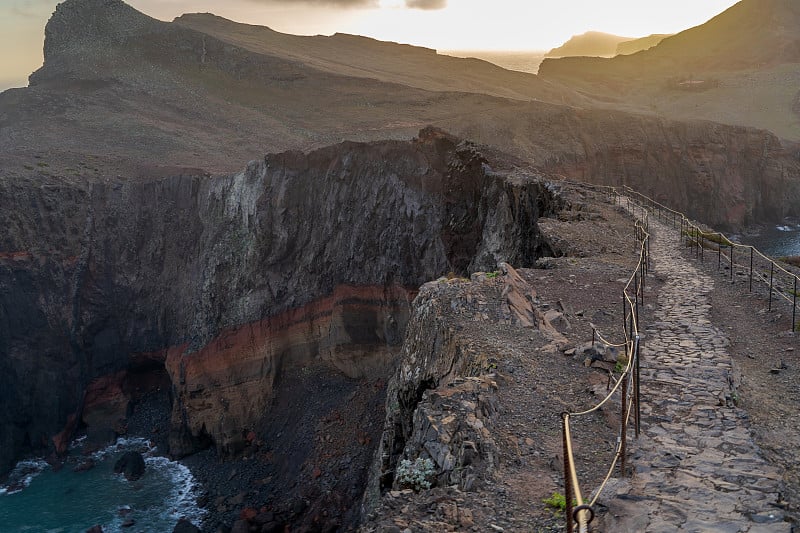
x=223 y=389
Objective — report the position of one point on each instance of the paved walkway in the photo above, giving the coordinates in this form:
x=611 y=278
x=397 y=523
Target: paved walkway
x=697 y=467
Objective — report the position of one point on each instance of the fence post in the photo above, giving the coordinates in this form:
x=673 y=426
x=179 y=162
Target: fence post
x=751 y=269
x=771 y=272
x=719 y=253
x=630 y=328
x=624 y=312
x=623 y=426
x=732 y=263
x=700 y=245
x=637 y=384
x=794 y=303
x=567 y=473
x=644 y=273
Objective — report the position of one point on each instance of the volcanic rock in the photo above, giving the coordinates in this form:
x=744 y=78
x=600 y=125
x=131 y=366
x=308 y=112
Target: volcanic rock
x=185 y=526
x=131 y=465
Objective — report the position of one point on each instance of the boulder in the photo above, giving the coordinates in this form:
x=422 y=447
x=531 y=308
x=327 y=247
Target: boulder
x=184 y=526
x=85 y=465
x=131 y=465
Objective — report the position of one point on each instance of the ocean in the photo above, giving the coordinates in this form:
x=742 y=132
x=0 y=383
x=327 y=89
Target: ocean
x=520 y=61
x=41 y=500
x=775 y=241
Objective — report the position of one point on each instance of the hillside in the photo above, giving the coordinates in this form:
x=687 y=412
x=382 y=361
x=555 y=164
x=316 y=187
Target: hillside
x=752 y=33
x=643 y=43
x=353 y=55
x=122 y=94
x=741 y=67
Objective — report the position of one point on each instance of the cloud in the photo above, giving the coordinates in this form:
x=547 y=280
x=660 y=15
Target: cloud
x=328 y=3
x=32 y=9
x=426 y=4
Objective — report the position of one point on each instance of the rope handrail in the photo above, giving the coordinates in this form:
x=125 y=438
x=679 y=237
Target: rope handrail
x=695 y=233
x=627 y=385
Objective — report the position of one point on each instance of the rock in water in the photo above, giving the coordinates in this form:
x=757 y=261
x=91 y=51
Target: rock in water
x=184 y=526
x=131 y=465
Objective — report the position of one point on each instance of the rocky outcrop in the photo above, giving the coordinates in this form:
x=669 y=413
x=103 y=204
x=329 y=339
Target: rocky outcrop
x=441 y=402
x=131 y=465
x=228 y=280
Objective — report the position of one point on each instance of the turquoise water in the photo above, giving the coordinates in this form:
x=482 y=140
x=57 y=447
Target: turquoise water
x=71 y=502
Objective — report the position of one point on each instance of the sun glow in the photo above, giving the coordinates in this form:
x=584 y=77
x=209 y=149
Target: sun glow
x=461 y=25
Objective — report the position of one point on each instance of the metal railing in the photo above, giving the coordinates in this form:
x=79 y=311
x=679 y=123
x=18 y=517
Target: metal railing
x=581 y=513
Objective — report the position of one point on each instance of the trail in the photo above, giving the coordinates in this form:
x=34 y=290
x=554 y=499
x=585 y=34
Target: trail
x=697 y=466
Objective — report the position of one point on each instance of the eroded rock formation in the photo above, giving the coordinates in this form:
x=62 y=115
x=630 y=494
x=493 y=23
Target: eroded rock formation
x=441 y=399
x=228 y=280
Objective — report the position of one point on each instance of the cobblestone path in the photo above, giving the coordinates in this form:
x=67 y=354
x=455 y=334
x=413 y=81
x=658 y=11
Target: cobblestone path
x=697 y=468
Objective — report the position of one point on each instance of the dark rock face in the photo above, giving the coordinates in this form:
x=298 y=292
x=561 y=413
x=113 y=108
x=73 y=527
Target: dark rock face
x=131 y=465
x=725 y=176
x=225 y=280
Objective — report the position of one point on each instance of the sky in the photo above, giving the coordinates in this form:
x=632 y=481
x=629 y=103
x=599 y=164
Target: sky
x=440 y=24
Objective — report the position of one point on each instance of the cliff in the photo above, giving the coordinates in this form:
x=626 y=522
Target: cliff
x=726 y=176
x=589 y=44
x=225 y=281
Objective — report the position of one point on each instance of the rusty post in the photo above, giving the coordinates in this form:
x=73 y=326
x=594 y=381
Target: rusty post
x=567 y=473
x=637 y=384
x=719 y=253
x=771 y=273
x=624 y=312
x=732 y=263
x=594 y=336
x=630 y=329
x=623 y=431
x=700 y=245
x=794 y=303
x=751 y=269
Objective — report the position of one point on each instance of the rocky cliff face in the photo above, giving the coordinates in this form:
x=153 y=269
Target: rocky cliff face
x=226 y=280
x=725 y=176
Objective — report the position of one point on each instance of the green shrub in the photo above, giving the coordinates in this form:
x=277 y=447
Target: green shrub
x=417 y=475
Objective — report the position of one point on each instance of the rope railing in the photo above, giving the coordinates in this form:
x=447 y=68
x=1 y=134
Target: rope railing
x=779 y=282
x=582 y=512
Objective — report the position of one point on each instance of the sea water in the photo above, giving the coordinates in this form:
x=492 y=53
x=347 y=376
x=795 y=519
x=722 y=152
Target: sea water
x=776 y=241
x=39 y=499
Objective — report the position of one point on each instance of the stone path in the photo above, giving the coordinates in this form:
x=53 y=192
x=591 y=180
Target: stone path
x=697 y=467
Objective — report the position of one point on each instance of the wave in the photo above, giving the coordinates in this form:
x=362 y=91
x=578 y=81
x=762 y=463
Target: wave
x=185 y=490
x=180 y=487
x=22 y=475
